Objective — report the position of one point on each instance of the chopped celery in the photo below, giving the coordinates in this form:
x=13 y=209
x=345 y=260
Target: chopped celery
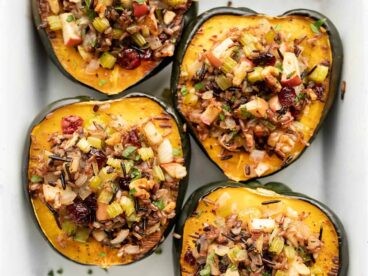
x=223 y=82
x=69 y=227
x=190 y=99
x=160 y=204
x=105 y=175
x=101 y=24
x=289 y=252
x=113 y=162
x=83 y=145
x=270 y=36
x=82 y=235
x=139 y=39
x=117 y=33
x=54 y=22
x=145 y=31
x=256 y=75
x=95 y=142
x=127 y=204
x=95 y=183
x=158 y=173
x=228 y=65
x=277 y=245
x=319 y=74
x=107 y=60
x=145 y=153
x=105 y=197
x=128 y=164
x=114 y=209
x=206 y=271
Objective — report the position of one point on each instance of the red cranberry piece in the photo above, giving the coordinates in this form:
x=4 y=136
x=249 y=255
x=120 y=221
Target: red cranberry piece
x=189 y=258
x=82 y=212
x=99 y=156
x=70 y=124
x=287 y=96
x=124 y=183
x=129 y=59
x=319 y=90
x=134 y=138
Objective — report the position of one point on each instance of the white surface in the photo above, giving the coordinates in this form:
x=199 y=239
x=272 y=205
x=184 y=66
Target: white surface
x=333 y=170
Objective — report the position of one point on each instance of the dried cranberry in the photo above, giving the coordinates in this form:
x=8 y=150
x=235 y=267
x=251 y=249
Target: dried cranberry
x=189 y=258
x=146 y=54
x=129 y=59
x=83 y=212
x=99 y=156
x=134 y=138
x=70 y=124
x=124 y=183
x=287 y=96
x=295 y=112
x=264 y=59
x=319 y=90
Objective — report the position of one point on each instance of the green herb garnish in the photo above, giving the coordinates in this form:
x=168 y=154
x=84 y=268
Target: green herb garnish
x=226 y=108
x=102 y=82
x=199 y=86
x=299 y=97
x=135 y=174
x=102 y=254
x=158 y=251
x=140 y=1
x=160 y=204
x=51 y=273
x=316 y=26
x=36 y=179
x=277 y=27
x=60 y=271
x=128 y=151
x=70 y=18
x=244 y=112
x=132 y=191
x=222 y=116
x=184 y=91
x=89 y=271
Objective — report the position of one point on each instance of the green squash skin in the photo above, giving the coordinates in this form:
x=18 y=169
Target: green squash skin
x=60 y=103
x=190 y=15
x=336 y=68
x=280 y=188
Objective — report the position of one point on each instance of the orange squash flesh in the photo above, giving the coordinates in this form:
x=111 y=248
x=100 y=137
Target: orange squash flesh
x=134 y=111
x=316 y=52
x=246 y=202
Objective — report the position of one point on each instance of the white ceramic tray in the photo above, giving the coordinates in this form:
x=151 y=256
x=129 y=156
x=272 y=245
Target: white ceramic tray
x=333 y=170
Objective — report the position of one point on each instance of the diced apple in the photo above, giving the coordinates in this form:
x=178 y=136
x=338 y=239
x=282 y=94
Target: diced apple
x=240 y=72
x=216 y=62
x=169 y=17
x=257 y=107
x=71 y=31
x=291 y=72
x=175 y=170
x=165 y=152
x=210 y=114
x=214 y=56
x=50 y=193
x=153 y=136
x=266 y=225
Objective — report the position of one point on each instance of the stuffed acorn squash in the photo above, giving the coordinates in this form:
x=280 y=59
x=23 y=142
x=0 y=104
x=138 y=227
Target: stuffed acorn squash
x=111 y=45
x=254 y=89
x=106 y=179
x=234 y=229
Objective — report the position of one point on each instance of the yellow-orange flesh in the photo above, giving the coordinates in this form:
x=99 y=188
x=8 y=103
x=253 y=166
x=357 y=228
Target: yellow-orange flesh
x=294 y=26
x=104 y=80
x=134 y=111
x=247 y=203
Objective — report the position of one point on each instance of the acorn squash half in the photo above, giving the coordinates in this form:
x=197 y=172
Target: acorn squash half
x=320 y=45
x=73 y=66
x=134 y=109
x=222 y=199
